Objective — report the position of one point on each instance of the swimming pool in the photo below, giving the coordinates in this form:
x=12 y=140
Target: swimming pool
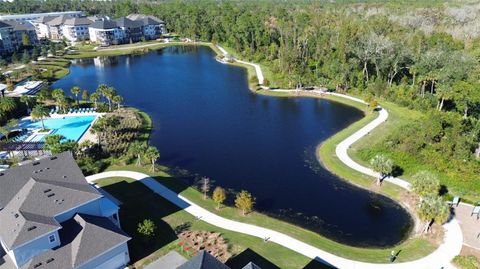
x=70 y=127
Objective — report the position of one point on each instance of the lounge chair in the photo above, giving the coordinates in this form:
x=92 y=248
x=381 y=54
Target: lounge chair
x=455 y=201
x=476 y=210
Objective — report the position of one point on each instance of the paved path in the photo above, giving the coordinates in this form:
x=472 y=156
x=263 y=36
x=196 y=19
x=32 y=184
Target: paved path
x=258 y=69
x=440 y=258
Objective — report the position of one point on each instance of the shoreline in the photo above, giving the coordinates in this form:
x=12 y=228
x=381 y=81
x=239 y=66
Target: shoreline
x=119 y=51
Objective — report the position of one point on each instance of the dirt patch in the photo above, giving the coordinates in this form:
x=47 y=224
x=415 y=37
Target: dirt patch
x=213 y=243
x=466 y=251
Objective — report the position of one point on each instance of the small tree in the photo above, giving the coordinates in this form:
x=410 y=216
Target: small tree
x=244 y=201
x=25 y=57
x=205 y=186
x=431 y=209
x=15 y=57
x=266 y=82
x=94 y=98
x=75 y=91
x=85 y=95
x=147 y=228
x=39 y=112
x=117 y=99
x=152 y=154
x=55 y=145
x=137 y=148
x=383 y=166
x=219 y=195
x=35 y=53
x=425 y=183
x=26 y=40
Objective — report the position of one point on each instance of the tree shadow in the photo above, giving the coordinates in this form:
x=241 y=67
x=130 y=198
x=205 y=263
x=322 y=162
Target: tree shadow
x=248 y=255
x=443 y=190
x=397 y=171
x=139 y=203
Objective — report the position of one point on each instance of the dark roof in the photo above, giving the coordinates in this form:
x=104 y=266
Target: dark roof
x=106 y=24
x=251 y=265
x=45 y=19
x=203 y=260
x=58 y=20
x=77 y=21
x=31 y=196
x=4 y=24
x=21 y=26
x=83 y=238
x=146 y=19
x=127 y=23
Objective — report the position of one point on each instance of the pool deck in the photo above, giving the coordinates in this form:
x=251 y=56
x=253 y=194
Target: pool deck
x=87 y=135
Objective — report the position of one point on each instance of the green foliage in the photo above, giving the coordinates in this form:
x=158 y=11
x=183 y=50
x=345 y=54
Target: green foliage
x=466 y=262
x=219 y=195
x=25 y=57
x=152 y=154
x=433 y=208
x=26 y=40
x=147 y=228
x=425 y=183
x=382 y=165
x=57 y=144
x=244 y=201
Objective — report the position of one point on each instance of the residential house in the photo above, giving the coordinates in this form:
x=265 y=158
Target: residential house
x=55 y=27
x=132 y=30
x=52 y=218
x=76 y=29
x=23 y=28
x=105 y=33
x=8 y=41
x=153 y=27
x=204 y=260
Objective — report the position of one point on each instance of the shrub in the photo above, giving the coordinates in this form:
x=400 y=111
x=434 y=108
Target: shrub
x=466 y=262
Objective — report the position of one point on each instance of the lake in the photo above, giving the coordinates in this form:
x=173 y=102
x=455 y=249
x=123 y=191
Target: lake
x=206 y=121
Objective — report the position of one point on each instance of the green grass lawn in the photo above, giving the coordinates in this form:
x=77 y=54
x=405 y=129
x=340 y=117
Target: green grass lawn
x=412 y=249
x=141 y=203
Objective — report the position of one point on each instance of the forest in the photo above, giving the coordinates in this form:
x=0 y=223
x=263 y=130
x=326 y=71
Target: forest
x=423 y=55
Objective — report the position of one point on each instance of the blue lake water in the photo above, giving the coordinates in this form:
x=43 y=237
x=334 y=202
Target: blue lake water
x=207 y=122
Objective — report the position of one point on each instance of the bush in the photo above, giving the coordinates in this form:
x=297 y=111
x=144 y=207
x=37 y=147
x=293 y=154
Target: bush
x=466 y=262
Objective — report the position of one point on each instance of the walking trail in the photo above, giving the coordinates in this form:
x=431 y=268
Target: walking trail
x=440 y=258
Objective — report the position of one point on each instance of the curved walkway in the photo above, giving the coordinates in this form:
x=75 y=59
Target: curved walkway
x=438 y=259
x=258 y=69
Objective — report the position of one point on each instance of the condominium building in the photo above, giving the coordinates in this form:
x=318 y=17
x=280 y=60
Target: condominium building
x=76 y=29
x=51 y=218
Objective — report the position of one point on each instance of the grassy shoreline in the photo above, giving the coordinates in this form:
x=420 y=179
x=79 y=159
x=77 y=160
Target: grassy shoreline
x=412 y=248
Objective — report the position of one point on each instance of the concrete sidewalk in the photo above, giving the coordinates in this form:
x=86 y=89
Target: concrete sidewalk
x=439 y=258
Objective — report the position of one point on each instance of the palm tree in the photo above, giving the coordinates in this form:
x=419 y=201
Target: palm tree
x=109 y=93
x=383 y=166
x=63 y=103
x=138 y=148
x=152 y=154
x=94 y=98
x=117 y=99
x=27 y=100
x=7 y=104
x=431 y=209
x=39 y=112
x=76 y=91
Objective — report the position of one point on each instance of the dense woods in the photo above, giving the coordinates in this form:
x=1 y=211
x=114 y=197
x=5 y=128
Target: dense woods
x=423 y=59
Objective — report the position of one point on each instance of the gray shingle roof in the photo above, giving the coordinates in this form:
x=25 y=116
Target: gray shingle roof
x=21 y=26
x=3 y=24
x=127 y=23
x=58 y=20
x=83 y=238
x=31 y=196
x=146 y=19
x=77 y=21
x=251 y=265
x=106 y=24
x=203 y=260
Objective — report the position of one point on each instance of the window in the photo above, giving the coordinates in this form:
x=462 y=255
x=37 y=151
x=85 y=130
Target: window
x=51 y=238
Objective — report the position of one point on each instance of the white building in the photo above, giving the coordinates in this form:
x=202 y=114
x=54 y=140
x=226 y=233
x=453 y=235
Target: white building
x=105 y=33
x=153 y=27
x=76 y=29
x=38 y=16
